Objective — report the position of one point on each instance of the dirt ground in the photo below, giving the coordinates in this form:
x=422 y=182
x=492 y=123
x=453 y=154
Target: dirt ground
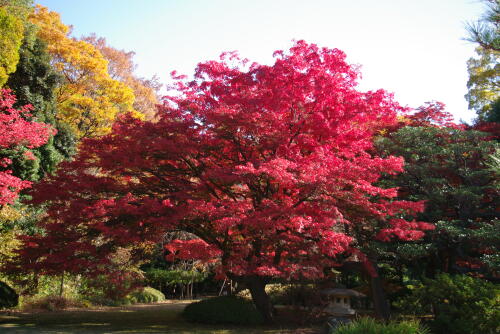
x=142 y=318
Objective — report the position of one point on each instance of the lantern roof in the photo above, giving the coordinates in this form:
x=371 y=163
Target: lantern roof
x=342 y=292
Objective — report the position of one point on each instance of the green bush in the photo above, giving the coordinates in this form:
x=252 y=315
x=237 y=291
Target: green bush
x=146 y=295
x=460 y=304
x=8 y=296
x=223 y=310
x=293 y=294
x=371 y=326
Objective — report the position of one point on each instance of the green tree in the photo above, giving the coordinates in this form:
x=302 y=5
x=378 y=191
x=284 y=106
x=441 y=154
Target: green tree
x=34 y=82
x=484 y=90
x=448 y=168
x=460 y=304
x=18 y=8
x=486 y=31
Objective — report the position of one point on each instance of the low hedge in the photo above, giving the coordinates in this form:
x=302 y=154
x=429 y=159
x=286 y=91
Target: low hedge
x=223 y=310
x=8 y=296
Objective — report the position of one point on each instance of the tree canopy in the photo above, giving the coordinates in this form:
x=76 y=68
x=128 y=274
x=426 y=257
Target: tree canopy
x=90 y=99
x=34 y=82
x=486 y=31
x=11 y=37
x=265 y=165
x=484 y=89
x=448 y=168
x=121 y=67
x=484 y=93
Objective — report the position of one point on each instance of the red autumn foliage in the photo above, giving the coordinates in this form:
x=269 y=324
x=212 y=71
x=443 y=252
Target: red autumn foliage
x=191 y=249
x=432 y=114
x=264 y=164
x=17 y=131
x=492 y=128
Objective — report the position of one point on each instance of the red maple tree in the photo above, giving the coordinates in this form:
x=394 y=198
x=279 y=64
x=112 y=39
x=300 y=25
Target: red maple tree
x=266 y=165
x=16 y=132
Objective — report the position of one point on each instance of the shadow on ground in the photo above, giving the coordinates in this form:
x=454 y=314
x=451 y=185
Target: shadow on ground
x=149 y=318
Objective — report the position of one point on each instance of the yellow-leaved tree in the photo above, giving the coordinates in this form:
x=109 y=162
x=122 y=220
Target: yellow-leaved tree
x=8 y=236
x=90 y=99
x=121 y=67
x=11 y=37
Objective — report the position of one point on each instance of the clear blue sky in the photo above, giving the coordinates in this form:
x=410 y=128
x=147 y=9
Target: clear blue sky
x=413 y=48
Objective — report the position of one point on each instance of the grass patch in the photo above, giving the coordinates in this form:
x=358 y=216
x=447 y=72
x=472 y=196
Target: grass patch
x=149 y=318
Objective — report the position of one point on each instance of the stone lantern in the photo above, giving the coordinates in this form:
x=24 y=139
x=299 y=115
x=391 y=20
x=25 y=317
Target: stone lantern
x=339 y=301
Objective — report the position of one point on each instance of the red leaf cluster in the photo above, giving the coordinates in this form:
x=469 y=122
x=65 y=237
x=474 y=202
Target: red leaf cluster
x=17 y=131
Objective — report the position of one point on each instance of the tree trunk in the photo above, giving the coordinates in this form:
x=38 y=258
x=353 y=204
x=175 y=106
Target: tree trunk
x=257 y=287
x=379 y=299
x=222 y=287
x=380 y=302
x=61 y=285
